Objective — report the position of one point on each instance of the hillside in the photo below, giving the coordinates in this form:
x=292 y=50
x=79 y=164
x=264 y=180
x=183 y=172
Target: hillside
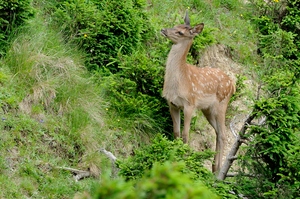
x=79 y=76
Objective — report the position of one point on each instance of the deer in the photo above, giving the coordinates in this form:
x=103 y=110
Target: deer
x=190 y=88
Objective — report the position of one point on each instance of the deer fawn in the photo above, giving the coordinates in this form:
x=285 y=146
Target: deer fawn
x=189 y=87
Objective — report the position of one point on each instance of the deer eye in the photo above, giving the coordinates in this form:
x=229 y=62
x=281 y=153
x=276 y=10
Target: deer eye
x=180 y=33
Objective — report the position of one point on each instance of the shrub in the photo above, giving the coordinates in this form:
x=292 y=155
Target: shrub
x=135 y=91
x=103 y=28
x=274 y=143
x=13 y=14
x=162 y=181
x=162 y=151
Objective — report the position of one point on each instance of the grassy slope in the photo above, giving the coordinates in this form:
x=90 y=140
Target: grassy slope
x=53 y=113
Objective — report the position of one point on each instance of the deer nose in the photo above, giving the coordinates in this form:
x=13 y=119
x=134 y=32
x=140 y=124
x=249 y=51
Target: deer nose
x=163 y=32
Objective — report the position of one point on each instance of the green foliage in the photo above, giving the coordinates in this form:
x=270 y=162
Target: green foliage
x=290 y=21
x=103 y=29
x=135 y=91
x=113 y=189
x=203 y=40
x=13 y=14
x=240 y=87
x=228 y=4
x=162 y=181
x=276 y=142
x=162 y=150
x=112 y=40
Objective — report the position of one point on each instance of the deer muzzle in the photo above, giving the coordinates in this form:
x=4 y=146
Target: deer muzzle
x=163 y=32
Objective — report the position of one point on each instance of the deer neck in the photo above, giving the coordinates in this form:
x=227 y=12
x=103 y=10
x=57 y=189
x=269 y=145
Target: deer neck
x=177 y=56
x=176 y=69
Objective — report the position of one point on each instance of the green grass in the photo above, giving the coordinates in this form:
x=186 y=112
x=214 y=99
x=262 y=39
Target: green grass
x=54 y=114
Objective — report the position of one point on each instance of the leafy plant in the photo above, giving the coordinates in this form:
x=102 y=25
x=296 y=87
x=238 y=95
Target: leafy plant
x=12 y=15
x=103 y=29
x=162 y=151
x=276 y=140
x=163 y=181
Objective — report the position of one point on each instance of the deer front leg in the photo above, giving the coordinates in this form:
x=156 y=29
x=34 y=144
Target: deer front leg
x=188 y=111
x=175 y=114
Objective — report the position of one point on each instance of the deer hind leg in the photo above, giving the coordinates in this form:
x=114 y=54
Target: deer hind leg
x=216 y=117
x=175 y=114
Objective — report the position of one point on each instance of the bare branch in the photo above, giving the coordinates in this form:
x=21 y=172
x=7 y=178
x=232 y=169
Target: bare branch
x=258 y=91
x=109 y=155
x=78 y=174
x=262 y=121
x=235 y=147
x=233 y=158
x=230 y=175
x=70 y=169
x=82 y=175
x=244 y=141
x=114 y=171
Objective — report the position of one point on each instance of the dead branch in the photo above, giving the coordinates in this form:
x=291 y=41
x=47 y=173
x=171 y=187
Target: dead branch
x=114 y=171
x=109 y=155
x=244 y=141
x=235 y=147
x=234 y=158
x=77 y=174
x=230 y=175
x=82 y=175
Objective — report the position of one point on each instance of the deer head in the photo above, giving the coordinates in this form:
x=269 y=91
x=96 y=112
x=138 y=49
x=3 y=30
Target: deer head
x=182 y=32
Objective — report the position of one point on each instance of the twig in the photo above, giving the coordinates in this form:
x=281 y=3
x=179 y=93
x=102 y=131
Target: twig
x=231 y=175
x=258 y=92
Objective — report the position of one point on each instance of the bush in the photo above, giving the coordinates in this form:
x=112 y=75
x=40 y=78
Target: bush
x=162 y=181
x=275 y=143
x=135 y=91
x=161 y=151
x=103 y=28
x=13 y=14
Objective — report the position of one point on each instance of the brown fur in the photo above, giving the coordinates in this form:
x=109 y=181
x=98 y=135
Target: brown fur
x=187 y=87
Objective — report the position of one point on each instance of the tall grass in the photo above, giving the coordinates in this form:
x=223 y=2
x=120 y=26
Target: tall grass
x=52 y=115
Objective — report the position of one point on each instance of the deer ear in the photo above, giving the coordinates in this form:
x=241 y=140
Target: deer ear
x=197 y=29
x=187 y=19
